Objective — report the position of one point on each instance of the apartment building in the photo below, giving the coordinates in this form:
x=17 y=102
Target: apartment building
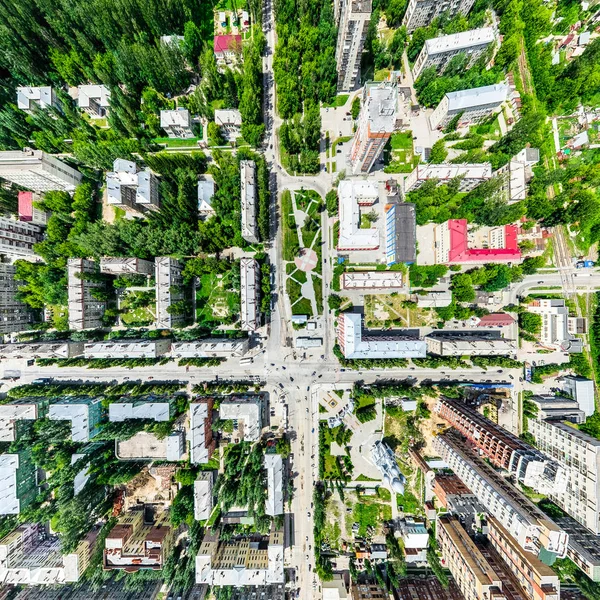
x=41 y=350
x=227 y=50
x=469 y=343
x=129 y=186
x=94 y=100
x=557 y=408
x=176 y=123
x=558 y=328
x=533 y=530
x=536 y=579
x=253 y=560
x=356 y=344
x=127 y=348
x=134 y=543
x=579 y=455
x=85 y=414
x=37 y=171
x=29 y=556
x=274 y=467
x=250 y=308
x=202 y=444
x=230 y=122
x=470 y=175
x=454 y=495
x=376 y=123
x=169 y=289
x=438 y=52
x=27 y=212
x=354 y=196
x=368 y=591
x=14 y=315
x=354 y=17
x=203 y=495
x=400 y=232
x=582 y=391
x=473 y=574
x=473 y=106
x=249 y=199
x=519 y=172
x=504 y=450
x=85 y=311
x=152 y=408
x=13 y=413
x=29 y=98
x=17 y=238
x=18 y=482
x=211 y=347
x=583 y=548
x=420 y=13
x=126 y=266
x=248 y=412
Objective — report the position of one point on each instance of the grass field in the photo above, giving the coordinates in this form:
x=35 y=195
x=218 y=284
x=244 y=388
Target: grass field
x=399 y=154
x=176 y=142
x=139 y=307
x=339 y=101
x=371 y=511
x=216 y=298
x=386 y=310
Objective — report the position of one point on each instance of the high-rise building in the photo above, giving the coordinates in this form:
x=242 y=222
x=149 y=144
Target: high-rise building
x=248 y=196
x=169 y=289
x=505 y=450
x=470 y=176
x=18 y=482
x=533 y=530
x=14 y=315
x=354 y=17
x=376 y=123
x=579 y=455
x=85 y=311
x=438 y=52
x=17 y=238
x=420 y=13
x=538 y=580
x=35 y=170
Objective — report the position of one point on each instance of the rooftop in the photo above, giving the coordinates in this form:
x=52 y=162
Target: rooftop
x=177 y=118
x=481 y=96
x=351 y=194
x=459 y=41
x=227 y=43
x=460 y=251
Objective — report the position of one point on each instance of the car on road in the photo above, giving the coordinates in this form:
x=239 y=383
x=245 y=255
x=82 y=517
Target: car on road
x=308 y=514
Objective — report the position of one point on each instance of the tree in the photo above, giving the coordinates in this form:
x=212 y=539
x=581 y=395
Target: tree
x=530 y=322
x=462 y=288
x=215 y=137
x=334 y=301
x=331 y=202
x=355 y=109
x=438 y=152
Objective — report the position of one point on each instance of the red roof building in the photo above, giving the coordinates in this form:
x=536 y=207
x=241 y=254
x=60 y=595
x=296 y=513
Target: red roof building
x=496 y=320
x=460 y=252
x=227 y=44
x=25 y=200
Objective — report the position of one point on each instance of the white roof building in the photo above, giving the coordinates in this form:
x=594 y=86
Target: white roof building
x=385 y=460
x=582 y=391
x=29 y=97
x=469 y=343
x=83 y=413
x=230 y=122
x=126 y=185
x=520 y=173
x=41 y=350
x=94 y=99
x=123 y=266
x=140 y=409
x=356 y=345
x=247 y=410
x=352 y=194
x=16 y=411
x=248 y=199
x=274 y=502
x=200 y=432
x=127 y=348
x=169 y=289
x=249 y=274
x=373 y=280
x=9 y=499
x=206 y=191
x=557 y=325
x=414 y=534
x=177 y=123
x=211 y=347
x=203 y=496
x=471 y=175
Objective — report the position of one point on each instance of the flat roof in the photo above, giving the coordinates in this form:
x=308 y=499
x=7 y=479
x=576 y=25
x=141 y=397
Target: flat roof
x=460 y=251
x=481 y=96
x=352 y=237
x=460 y=41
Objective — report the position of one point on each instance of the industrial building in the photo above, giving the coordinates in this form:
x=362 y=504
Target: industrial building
x=420 y=13
x=129 y=186
x=558 y=328
x=127 y=348
x=176 y=123
x=470 y=176
x=85 y=311
x=439 y=51
x=253 y=560
x=37 y=171
x=249 y=285
x=473 y=106
x=527 y=464
x=274 y=467
x=17 y=238
x=169 y=289
x=469 y=343
x=249 y=200
x=202 y=444
x=376 y=123
x=354 y=17
x=14 y=314
x=248 y=412
x=354 y=344
x=85 y=414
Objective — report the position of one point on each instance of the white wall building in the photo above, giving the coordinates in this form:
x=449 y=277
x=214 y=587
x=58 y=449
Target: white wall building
x=169 y=289
x=471 y=175
x=14 y=315
x=439 y=51
x=85 y=311
x=85 y=415
x=249 y=272
x=472 y=105
x=177 y=123
x=211 y=347
x=274 y=502
x=582 y=391
x=421 y=13
x=354 y=17
x=28 y=98
x=519 y=173
x=140 y=409
x=17 y=238
x=558 y=327
x=376 y=123
x=352 y=195
x=249 y=199
x=230 y=122
x=127 y=348
x=201 y=443
x=126 y=185
x=249 y=412
x=35 y=170
x=206 y=191
x=124 y=266
x=94 y=100
x=203 y=495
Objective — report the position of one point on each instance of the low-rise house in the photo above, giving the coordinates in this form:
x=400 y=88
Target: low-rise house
x=29 y=98
x=274 y=502
x=94 y=100
x=469 y=343
x=128 y=186
x=496 y=320
x=228 y=50
x=249 y=199
x=147 y=446
x=177 y=123
x=230 y=122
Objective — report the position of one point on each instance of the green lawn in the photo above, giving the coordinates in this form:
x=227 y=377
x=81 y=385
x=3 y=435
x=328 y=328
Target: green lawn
x=339 y=101
x=399 y=154
x=176 y=142
x=141 y=314
x=215 y=298
x=318 y=287
x=302 y=307
x=402 y=141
